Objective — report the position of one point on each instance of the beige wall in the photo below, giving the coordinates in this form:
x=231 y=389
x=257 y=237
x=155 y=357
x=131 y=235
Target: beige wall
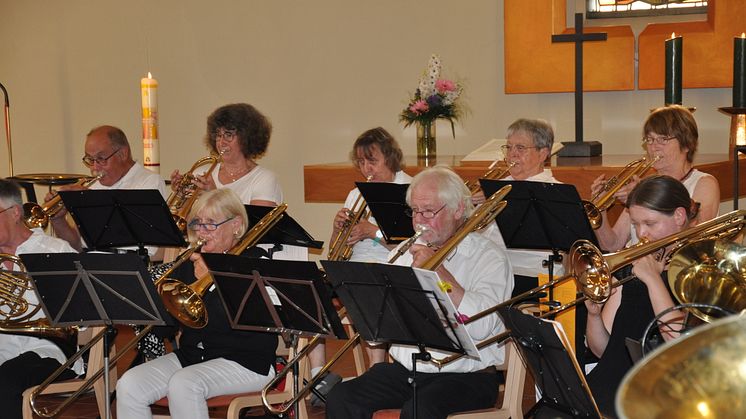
x=323 y=71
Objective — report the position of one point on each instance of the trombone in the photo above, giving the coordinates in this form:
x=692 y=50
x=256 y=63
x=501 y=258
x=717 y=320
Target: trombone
x=593 y=270
x=495 y=172
x=339 y=249
x=483 y=215
x=604 y=199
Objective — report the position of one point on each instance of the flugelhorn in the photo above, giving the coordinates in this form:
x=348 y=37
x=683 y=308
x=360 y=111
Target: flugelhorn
x=185 y=301
x=593 y=270
x=495 y=172
x=184 y=193
x=37 y=216
x=604 y=198
x=339 y=249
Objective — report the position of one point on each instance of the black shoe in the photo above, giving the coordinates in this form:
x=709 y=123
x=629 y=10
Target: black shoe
x=324 y=387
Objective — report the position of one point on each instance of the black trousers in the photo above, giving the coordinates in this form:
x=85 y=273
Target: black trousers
x=18 y=374
x=386 y=386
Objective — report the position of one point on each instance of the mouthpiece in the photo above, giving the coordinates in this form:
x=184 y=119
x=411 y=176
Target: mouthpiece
x=369 y=178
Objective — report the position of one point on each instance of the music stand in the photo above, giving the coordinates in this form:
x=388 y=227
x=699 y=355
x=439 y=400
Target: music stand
x=286 y=231
x=122 y=217
x=550 y=358
x=94 y=289
x=388 y=205
x=400 y=304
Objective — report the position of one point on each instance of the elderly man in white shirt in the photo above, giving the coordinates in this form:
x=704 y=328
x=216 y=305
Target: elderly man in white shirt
x=480 y=276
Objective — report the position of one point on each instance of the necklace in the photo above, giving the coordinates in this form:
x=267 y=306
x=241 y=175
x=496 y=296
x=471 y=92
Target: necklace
x=234 y=176
x=687 y=174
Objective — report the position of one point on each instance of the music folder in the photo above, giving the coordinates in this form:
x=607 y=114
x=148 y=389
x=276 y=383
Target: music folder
x=387 y=203
x=279 y=296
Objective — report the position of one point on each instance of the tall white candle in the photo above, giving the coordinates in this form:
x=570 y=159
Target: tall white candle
x=149 y=93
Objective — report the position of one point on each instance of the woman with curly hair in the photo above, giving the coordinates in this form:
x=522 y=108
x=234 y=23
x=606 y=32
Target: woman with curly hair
x=240 y=134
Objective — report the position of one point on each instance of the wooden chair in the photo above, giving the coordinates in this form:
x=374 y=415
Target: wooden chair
x=95 y=363
x=236 y=402
x=511 y=406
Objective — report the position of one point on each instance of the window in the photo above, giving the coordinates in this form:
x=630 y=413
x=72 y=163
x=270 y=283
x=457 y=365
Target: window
x=598 y=9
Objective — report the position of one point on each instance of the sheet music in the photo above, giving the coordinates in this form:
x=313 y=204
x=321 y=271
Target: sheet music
x=429 y=282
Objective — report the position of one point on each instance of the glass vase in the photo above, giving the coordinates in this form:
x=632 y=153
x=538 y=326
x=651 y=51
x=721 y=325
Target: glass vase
x=426 y=147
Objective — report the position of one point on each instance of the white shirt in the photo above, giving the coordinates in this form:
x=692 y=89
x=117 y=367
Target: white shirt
x=12 y=346
x=527 y=262
x=368 y=250
x=258 y=184
x=483 y=269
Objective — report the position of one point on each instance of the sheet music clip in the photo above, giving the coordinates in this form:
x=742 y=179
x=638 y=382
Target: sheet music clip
x=387 y=203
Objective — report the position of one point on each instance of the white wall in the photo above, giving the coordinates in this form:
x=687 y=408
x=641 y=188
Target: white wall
x=323 y=71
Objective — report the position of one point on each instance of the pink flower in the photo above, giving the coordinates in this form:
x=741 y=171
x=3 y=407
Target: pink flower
x=443 y=86
x=419 y=107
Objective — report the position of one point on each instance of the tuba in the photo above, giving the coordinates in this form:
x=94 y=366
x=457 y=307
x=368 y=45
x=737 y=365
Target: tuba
x=604 y=199
x=37 y=216
x=16 y=311
x=185 y=301
x=184 y=192
x=339 y=249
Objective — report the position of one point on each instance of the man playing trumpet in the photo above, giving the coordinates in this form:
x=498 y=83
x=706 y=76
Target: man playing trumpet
x=480 y=277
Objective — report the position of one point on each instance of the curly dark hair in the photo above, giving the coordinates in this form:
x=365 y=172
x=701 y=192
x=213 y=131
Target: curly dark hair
x=253 y=129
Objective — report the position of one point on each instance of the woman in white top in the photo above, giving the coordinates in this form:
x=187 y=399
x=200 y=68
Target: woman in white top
x=240 y=134
x=671 y=133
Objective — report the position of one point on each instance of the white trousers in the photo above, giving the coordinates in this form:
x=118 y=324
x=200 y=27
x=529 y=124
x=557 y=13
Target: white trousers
x=187 y=388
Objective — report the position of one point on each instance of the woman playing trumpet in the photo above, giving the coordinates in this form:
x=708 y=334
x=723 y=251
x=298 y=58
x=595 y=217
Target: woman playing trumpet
x=671 y=133
x=658 y=207
x=216 y=359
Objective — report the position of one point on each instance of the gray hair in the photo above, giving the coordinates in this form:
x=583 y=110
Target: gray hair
x=451 y=188
x=538 y=129
x=10 y=193
x=116 y=136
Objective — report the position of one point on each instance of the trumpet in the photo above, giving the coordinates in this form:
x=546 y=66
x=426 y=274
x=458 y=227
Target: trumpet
x=37 y=216
x=604 y=198
x=593 y=270
x=339 y=249
x=494 y=173
x=184 y=193
x=483 y=215
x=185 y=301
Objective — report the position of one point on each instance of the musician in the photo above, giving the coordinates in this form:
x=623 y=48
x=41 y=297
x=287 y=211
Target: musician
x=26 y=360
x=480 y=275
x=211 y=361
x=240 y=134
x=671 y=133
x=529 y=145
x=658 y=207
x=107 y=153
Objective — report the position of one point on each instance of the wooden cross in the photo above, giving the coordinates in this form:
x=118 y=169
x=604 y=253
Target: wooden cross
x=579 y=148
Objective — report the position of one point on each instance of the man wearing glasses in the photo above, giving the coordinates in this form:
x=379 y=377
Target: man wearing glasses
x=107 y=153
x=480 y=276
x=25 y=360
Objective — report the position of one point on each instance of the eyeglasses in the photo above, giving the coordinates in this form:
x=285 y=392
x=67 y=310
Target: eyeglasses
x=196 y=225
x=657 y=140
x=428 y=214
x=519 y=148
x=90 y=161
x=226 y=134
x=6 y=209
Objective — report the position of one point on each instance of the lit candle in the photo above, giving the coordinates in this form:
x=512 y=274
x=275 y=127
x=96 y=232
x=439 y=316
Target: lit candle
x=149 y=93
x=739 y=71
x=674 y=52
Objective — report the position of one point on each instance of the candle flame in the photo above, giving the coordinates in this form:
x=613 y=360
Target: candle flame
x=743 y=34
x=150 y=76
x=673 y=35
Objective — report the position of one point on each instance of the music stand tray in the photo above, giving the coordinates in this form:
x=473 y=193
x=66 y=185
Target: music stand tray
x=550 y=358
x=399 y=304
x=387 y=203
x=286 y=231
x=274 y=296
x=122 y=217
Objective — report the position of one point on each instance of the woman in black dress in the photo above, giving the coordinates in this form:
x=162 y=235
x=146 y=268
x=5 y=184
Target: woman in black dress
x=658 y=207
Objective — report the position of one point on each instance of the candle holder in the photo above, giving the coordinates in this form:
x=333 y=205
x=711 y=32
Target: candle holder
x=737 y=136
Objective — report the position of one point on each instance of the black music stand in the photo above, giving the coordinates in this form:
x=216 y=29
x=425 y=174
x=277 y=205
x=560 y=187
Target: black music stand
x=400 y=304
x=122 y=217
x=93 y=289
x=550 y=358
x=286 y=231
x=388 y=205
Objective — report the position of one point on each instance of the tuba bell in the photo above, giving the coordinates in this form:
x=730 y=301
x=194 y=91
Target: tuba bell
x=185 y=194
x=37 y=216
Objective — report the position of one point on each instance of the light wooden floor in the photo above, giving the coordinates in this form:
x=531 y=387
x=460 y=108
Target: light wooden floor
x=85 y=407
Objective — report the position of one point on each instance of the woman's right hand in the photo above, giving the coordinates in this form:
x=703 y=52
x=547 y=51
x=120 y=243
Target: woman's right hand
x=342 y=217
x=594 y=309
x=597 y=185
x=175 y=179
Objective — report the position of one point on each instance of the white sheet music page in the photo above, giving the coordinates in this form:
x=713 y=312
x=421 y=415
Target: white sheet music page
x=429 y=282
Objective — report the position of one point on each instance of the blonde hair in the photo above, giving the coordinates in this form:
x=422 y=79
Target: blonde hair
x=219 y=204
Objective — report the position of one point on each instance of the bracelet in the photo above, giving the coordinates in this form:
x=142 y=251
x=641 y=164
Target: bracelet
x=377 y=240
